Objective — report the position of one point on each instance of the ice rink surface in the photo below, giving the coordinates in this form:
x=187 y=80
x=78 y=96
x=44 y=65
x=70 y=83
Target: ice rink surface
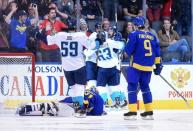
x=172 y=120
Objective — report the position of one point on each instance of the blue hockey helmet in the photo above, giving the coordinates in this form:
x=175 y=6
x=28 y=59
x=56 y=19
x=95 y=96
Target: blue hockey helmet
x=139 y=21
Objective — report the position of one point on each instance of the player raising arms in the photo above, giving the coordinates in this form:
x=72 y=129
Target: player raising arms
x=144 y=49
x=107 y=60
x=71 y=46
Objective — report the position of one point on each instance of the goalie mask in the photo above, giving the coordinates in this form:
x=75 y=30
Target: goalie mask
x=89 y=93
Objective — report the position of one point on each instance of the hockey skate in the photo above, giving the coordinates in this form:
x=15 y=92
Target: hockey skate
x=117 y=104
x=130 y=116
x=148 y=115
x=124 y=104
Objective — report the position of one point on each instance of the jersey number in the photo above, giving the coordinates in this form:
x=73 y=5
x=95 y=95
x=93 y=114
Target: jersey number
x=147 y=46
x=104 y=54
x=69 y=48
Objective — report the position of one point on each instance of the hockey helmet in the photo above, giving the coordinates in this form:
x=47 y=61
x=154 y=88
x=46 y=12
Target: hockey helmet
x=71 y=24
x=101 y=36
x=139 y=21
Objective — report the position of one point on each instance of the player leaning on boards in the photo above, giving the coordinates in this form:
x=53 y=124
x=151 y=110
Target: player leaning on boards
x=144 y=50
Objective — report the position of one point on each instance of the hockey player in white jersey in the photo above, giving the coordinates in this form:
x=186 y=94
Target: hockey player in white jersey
x=117 y=94
x=71 y=45
x=91 y=59
x=107 y=61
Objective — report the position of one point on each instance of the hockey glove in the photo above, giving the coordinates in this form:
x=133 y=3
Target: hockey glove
x=158 y=69
x=117 y=36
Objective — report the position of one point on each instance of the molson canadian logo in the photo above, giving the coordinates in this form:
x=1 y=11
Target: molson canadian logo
x=180 y=77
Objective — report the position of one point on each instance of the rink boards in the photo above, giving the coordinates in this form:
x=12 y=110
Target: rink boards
x=50 y=84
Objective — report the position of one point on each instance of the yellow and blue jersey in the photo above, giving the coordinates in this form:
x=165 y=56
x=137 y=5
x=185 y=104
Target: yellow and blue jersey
x=93 y=103
x=144 y=49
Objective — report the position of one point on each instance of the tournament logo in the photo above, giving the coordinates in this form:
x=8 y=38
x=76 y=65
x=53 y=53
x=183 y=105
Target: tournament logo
x=180 y=77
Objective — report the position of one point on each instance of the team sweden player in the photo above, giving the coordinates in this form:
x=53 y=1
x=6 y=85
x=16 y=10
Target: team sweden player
x=93 y=103
x=93 y=106
x=144 y=50
x=71 y=46
x=107 y=61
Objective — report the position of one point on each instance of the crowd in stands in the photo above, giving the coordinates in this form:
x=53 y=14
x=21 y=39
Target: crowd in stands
x=24 y=24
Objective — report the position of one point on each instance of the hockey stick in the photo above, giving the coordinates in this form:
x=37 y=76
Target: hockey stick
x=116 y=6
x=185 y=100
x=67 y=92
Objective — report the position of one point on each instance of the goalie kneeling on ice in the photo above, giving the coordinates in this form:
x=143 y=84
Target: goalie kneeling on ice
x=93 y=102
x=46 y=108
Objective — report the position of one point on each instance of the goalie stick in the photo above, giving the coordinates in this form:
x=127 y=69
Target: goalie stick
x=185 y=100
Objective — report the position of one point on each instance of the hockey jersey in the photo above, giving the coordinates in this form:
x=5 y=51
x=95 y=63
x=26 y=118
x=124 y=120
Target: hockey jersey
x=107 y=58
x=71 y=46
x=144 y=49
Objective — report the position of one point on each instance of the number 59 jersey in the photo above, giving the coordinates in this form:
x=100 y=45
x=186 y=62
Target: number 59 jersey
x=71 y=46
x=106 y=57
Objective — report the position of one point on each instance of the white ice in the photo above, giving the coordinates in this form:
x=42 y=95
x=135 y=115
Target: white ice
x=163 y=121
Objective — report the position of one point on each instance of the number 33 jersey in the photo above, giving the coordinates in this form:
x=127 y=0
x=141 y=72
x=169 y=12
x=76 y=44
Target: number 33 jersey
x=71 y=46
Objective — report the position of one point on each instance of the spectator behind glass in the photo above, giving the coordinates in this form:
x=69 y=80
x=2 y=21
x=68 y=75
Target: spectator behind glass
x=50 y=26
x=128 y=27
x=18 y=28
x=105 y=24
x=154 y=13
x=23 y=4
x=59 y=14
x=109 y=9
x=181 y=16
x=166 y=11
x=149 y=29
x=90 y=9
x=3 y=4
x=84 y=27
x=32 y=42
x=171 y=42
x=8 y=9
x=74 y=14
x=66 y=6
x=132 y=8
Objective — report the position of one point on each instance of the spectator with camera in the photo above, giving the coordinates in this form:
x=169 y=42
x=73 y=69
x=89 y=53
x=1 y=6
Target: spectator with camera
x=170 y=42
